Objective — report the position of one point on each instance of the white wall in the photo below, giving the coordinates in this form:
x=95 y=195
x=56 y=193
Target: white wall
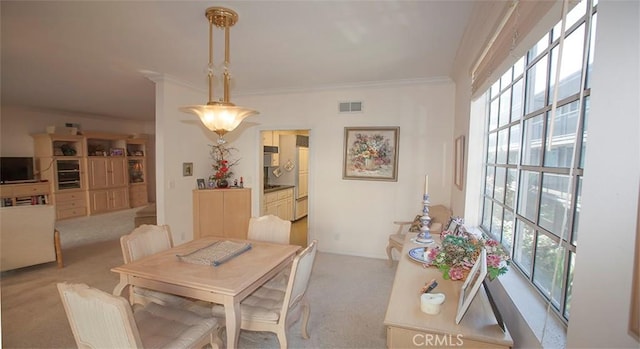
x=602 y=282
x=346 y=216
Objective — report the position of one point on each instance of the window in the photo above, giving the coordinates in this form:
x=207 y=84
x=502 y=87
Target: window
x=534 y=159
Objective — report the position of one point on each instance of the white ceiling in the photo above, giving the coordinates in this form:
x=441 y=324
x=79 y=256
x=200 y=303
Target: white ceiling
x=87 y=56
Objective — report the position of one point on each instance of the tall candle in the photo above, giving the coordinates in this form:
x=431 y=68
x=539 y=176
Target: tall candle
x=426 y=184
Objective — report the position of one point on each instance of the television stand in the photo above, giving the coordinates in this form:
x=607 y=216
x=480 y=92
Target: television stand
x=25 y=194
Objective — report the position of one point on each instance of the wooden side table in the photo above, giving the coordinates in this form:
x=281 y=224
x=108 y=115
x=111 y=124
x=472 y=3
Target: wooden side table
x=408 y=327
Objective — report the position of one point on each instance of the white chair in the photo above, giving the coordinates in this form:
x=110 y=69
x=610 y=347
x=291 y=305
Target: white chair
x=102 y=320
x=143 y=241
x=269 y=228
x=273 y=310
x=439 y=215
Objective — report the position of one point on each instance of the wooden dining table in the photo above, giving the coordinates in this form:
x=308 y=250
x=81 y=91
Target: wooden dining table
x=227 y=284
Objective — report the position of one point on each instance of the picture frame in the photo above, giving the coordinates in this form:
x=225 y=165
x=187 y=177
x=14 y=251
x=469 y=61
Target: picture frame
x=371 y=153
x=458 y=172
x=453 y=225
x=116 y=152
x=472 y=284
x=494 y=306
x=187 y=169
x=201 y=184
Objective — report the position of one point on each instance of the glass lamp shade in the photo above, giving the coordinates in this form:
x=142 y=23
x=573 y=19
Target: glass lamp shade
x=220 y=118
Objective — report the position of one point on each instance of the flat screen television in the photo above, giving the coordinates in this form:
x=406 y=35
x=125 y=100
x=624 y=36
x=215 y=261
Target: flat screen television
x=16 y=170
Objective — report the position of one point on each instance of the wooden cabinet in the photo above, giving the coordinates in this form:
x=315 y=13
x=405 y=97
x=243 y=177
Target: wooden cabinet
x=70 y=204
x=61 y=160
x=137 y=171
x=138 y=195
x=271 y=138
x=92 y=173
x=108 y=185
x=279 y=203
x=24 y=194
x=107 y=172
x=221 y=212
x=105 y=200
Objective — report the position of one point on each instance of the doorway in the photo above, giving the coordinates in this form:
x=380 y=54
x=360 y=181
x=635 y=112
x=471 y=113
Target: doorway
x=285 y=178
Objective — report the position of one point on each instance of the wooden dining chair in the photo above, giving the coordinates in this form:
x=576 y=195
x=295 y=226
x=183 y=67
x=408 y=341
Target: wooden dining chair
x=101 y=320
x=143 y=241
x=439 y=214
x=269 y=228
x=272 y=310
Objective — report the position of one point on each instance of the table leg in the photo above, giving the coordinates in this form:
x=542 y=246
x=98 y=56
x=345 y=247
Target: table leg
x=117 y=291
x=233 y=317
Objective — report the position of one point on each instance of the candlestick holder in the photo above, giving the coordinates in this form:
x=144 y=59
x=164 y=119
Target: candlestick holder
x=424 y=236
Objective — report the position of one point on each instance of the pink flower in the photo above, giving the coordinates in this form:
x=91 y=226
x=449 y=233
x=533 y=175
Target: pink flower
x=432 y=253
x=491 y=243
x=455 y=273
x=493 y=261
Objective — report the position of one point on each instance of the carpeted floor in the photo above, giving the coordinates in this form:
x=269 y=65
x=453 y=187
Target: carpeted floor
x=348 y=296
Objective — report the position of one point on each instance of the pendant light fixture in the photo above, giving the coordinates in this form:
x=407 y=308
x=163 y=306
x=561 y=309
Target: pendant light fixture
x=220 y=116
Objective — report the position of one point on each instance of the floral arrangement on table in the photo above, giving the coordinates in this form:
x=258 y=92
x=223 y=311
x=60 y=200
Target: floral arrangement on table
x=458 y=252
x=222 y=164
x=370 y=151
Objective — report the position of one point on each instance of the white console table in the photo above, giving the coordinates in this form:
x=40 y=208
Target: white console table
x=408 y=327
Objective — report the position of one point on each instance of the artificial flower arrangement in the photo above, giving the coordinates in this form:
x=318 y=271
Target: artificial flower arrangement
x=222 y=162
x=458 y=252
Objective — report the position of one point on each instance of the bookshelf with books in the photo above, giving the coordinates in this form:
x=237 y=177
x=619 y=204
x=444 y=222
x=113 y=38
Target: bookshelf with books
x=25 y=194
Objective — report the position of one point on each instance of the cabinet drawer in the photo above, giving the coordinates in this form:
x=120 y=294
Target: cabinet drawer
x=283 y=194
x=271 y=197
x=60 y=197
x=32 y=189
x=71 y=204
x=63 y=213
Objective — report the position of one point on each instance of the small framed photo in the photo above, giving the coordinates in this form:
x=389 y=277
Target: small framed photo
x=201 y=184
x=116 y=152
x=371 y=153
x=187 y=169
x=472 y=284
x=454 y=225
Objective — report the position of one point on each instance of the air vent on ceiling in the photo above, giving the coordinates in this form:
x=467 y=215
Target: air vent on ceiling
x=350 y=107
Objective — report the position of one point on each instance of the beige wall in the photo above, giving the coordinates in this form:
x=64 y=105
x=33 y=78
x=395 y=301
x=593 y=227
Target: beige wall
x=346 y=216
x=17 y=124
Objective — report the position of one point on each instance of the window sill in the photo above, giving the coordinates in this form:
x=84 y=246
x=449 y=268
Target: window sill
x=524 y=311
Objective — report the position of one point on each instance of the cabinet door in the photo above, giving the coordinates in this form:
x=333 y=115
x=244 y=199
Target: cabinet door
x=98 y=168
x=119 y=198
x=208 y=213
x=99 y=201
x=267 y=137
x=303 y=159
x=237 y=212
x=117 y=172
x=303 y=185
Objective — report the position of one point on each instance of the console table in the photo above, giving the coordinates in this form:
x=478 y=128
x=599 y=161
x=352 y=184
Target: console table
x=408 y=327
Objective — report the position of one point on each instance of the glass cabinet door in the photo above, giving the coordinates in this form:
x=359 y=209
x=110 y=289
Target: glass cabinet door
x=136 y=171
x=68 y=174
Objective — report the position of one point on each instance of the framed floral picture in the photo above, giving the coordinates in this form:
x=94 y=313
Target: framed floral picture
x=371 y=153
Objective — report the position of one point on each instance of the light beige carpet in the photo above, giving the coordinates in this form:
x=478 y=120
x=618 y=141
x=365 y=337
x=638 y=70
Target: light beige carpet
x=348 y=297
